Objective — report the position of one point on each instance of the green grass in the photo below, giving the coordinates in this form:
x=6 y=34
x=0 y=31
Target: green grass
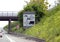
x=48 y=28
x=17 y=30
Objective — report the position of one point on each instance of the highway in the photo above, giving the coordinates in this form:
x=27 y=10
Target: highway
x=4 y=39
x=10 y=38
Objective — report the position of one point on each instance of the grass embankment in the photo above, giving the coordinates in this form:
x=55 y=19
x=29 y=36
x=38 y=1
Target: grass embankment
x=13 y=27
x=48 y=28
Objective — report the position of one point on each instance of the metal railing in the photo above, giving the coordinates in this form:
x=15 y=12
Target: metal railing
x=8 y=13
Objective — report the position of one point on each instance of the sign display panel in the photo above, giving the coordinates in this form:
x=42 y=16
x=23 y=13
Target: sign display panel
x=28 y=19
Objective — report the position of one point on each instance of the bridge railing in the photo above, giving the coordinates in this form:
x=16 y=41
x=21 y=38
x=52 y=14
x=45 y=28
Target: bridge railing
x=8 y=13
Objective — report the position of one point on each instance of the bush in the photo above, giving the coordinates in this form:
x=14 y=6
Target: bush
x=39 y=9
x=57 y=39
x=53 y=10
x=13 y=24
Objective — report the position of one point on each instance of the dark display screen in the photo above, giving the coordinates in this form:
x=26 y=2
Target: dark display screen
x=31 y=22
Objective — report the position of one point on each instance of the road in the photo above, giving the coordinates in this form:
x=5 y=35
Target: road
x=11 y=38
x=4 y=39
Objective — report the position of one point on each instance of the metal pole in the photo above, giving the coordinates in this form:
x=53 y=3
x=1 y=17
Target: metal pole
x=9 y=26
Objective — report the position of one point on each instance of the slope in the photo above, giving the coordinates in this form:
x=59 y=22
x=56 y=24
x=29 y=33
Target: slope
x=48 y=28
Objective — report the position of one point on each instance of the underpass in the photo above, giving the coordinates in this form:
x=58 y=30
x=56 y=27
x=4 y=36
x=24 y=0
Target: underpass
x=8 y=16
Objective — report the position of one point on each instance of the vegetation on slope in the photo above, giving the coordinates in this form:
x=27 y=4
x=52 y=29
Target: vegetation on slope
x=48 y=28
x=13 y=26
x=37 y=6
x=53 y=10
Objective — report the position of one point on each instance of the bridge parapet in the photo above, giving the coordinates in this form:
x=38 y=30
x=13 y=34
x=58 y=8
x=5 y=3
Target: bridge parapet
x=8 y=13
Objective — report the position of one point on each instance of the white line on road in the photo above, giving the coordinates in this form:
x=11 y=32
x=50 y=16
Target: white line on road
x=10 y=39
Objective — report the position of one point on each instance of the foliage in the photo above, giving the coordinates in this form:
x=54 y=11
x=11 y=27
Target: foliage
x=13 y=24
x=57 y=39
x=54 y=10
x=13 y=27
x=40 y=9
x=20 y=15
x=48 y=28
x=17 y=30
x=58 y=1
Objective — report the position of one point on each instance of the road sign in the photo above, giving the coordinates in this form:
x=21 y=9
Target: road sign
x=28 y=19
x=17 y=27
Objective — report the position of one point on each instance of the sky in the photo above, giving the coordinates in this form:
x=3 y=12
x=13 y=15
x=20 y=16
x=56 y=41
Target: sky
x=52 y=3
x=15 y=5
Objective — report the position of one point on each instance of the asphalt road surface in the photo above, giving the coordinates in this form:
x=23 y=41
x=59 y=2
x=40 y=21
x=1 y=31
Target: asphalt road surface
x=10 y=38
x=4 y=39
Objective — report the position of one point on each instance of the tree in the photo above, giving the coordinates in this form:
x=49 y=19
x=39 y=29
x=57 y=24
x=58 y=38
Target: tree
x=40 y=8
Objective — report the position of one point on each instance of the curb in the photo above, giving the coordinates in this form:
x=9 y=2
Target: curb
x=27 y=37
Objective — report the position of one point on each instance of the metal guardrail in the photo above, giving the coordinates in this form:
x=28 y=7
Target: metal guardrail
x=8 y=13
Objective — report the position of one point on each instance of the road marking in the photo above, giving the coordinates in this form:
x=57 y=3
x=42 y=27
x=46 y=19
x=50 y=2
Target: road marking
x=11 y=40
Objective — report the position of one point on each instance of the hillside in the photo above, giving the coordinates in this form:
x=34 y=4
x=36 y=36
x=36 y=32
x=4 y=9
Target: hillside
x=48 y=28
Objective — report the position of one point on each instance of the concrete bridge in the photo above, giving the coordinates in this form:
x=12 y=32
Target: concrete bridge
x=8 y=16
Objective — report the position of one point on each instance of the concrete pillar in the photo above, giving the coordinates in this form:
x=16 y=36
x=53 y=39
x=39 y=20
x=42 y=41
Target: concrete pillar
x=9 y=26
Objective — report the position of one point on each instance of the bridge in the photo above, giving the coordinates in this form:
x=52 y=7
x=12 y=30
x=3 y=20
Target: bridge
x=8 y=16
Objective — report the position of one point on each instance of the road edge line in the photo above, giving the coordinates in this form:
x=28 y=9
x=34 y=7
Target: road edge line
x=10 y=39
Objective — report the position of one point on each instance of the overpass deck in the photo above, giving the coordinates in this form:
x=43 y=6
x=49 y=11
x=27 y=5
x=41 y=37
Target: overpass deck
x=6 y=15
